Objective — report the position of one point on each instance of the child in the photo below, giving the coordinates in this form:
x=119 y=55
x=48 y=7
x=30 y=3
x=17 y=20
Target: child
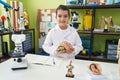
x=62 y=40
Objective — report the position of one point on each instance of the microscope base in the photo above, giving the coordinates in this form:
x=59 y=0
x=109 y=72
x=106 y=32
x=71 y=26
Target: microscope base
x=20 y=65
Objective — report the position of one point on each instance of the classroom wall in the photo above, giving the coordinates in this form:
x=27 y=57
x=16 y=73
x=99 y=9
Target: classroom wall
x=33 y=5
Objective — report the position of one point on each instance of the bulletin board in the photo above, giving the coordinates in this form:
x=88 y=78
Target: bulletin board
x=45 y=18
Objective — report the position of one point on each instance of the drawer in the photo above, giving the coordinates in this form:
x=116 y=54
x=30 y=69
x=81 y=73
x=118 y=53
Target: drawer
x=112 y=52
x=111 y=46
x=111 y=57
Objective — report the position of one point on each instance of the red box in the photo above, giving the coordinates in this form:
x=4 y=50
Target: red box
x=93 y=1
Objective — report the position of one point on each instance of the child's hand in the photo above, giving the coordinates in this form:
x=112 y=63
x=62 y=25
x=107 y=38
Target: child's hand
x=65 y=47
x=61 y=49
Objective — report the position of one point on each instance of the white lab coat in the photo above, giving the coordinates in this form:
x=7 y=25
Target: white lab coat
x=56 y=35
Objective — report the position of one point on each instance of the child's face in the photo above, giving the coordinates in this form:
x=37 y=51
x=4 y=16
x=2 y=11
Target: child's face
x=62 y=18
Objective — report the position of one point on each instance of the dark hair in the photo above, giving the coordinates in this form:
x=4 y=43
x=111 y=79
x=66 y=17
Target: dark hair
x=62 y=7
x=93 y=65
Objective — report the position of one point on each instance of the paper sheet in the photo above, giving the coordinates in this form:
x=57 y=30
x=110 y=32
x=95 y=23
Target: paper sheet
x=55 y=61
x=96 y=77
x=42 y=27
x=54 y=18
x=46 y=18
x=43 y=60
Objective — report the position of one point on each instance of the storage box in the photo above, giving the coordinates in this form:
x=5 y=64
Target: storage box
x=94 y=1
x=86 y=44
x=71 y=2
x=111 y=49
x=98 y=1
x=27 y=44
x=111 y=57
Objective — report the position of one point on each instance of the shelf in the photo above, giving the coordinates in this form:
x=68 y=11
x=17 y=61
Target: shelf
x=101 y=33
x=85 y=32
x=94 y=58
x=2 y=59
x=82 y=57
x=94 y=33
x=107 y=33
x=5 y=33
x=78 y=6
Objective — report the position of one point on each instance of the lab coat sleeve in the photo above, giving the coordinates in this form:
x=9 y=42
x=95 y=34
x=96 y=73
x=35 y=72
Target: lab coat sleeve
x=48 y=44
x=78 y=44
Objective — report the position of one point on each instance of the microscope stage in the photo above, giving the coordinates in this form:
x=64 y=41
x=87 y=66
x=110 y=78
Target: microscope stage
x=20 y=65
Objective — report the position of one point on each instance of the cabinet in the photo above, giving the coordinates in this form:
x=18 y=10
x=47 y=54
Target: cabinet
x=4 y=45
x=111 y=49
x=97 y=34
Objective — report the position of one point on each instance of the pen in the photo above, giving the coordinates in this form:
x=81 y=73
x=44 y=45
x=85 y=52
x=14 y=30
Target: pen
x=42 y=64
x=53 y=61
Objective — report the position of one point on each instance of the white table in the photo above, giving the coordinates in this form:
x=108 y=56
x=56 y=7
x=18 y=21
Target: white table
x=55 y=72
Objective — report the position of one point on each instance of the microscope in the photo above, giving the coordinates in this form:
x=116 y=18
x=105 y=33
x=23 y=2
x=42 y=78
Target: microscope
x=74 y=22
x=19 y=61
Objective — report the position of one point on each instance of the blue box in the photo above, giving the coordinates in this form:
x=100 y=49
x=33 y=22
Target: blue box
x=86 y=43
x=27 y=44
